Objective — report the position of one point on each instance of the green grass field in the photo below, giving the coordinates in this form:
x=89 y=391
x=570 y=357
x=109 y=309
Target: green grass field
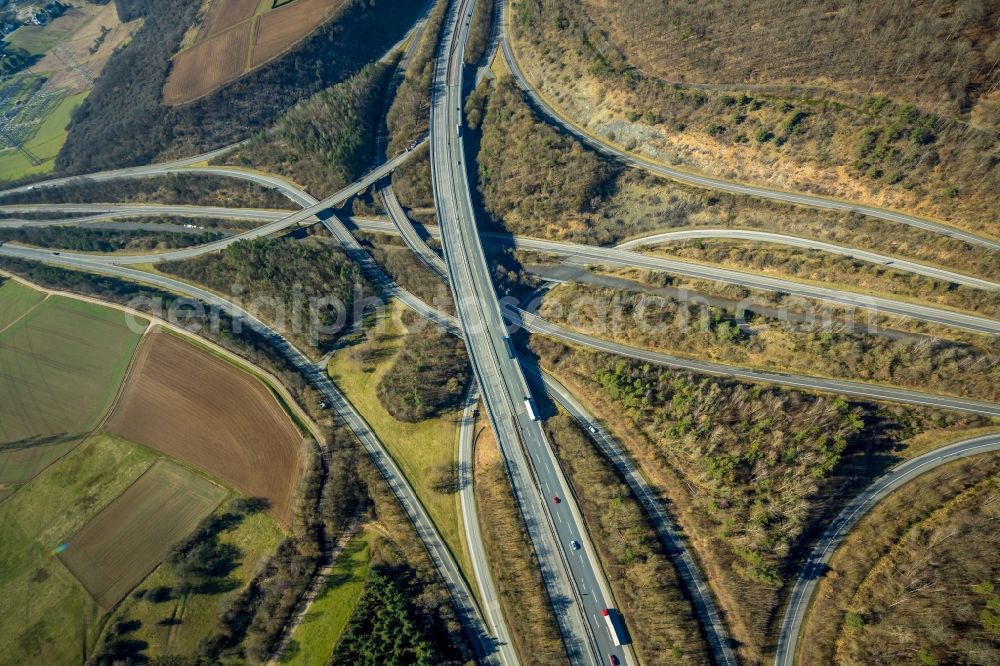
x=315 y=638
x=177 y=625
x=45 y=144
x=49 y=617
x=15 y=300
x=418 y=448
x=129 y=538
x=60 y=368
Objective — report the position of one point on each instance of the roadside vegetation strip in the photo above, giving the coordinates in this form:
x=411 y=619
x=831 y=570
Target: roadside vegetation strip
x=816 y=562
x=61 y=366
x=184 y=402
x=122 y=544
x=176 y=618
x=872 y=539
x=316 y=638
x=424 y=450
x=607 y=147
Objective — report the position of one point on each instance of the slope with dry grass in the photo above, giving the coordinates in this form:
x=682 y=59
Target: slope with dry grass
x=882 y=151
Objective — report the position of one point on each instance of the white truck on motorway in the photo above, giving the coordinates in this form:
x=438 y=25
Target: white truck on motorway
x=612 y=627
x=529 y=406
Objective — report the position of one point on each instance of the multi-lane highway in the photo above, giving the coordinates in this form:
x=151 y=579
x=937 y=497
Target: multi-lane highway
x=606 y=148
x=312 y=209
x=719 y=642
x=473 y=535
x=485 y=645
x=815 y=564
x=566 y=557
x=606 y=256
x=536 y=324
x=96 y=212
x=895 y=263
x=586 y=255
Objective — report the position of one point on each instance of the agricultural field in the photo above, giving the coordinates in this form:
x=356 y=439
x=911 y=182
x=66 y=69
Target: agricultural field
x=44 y=143
x=16 y=300
x=116 y=549
x=49 y=617
x=423 y=449
x=60 y=367
x=187 y=403
x=237 y=36
x=278 y=30
x=315 y=638
x=72 y=50
x=215 y=61
x=174 y=622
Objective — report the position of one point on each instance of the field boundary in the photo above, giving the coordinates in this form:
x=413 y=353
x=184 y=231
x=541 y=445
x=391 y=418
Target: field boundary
x=24 y=314
x=272 y=381
x=254 y=29
x=160 y=466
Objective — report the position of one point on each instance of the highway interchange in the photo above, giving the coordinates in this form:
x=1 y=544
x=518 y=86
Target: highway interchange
x=574 y=577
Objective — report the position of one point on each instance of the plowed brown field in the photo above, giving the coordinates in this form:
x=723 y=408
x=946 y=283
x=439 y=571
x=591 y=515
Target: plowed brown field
x=113 y=552
x=208 y=65
x=188 y=404
x=225 y=13
x=279 y=29
x=223 y=46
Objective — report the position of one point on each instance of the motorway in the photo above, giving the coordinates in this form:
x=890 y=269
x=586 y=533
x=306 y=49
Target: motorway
x=581 y=254
x=688 y=571
x=442 y=558
x=606 y=256
x=796 y=241
x=473 y=536
x=823 y=550
x=687 y=568
x=535 y=324
x=312 y=208
x=97 y=212
x=573 y=577
x=607 y=149
x=118 y=174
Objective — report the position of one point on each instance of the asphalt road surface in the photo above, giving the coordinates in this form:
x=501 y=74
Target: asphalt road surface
x=606 y=148
x=810 y=244
x=815 y=565
x=443 y=560
x=573 y=578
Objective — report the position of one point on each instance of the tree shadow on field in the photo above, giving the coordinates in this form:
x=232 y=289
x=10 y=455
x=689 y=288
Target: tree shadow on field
x=39 y=441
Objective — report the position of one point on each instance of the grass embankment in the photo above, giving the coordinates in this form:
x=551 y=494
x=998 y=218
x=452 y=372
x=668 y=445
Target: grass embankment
x=420 y=449
x=520 y=589
x=45 y=144
x=63 y=364
x=316 y=637
x=869 y=548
